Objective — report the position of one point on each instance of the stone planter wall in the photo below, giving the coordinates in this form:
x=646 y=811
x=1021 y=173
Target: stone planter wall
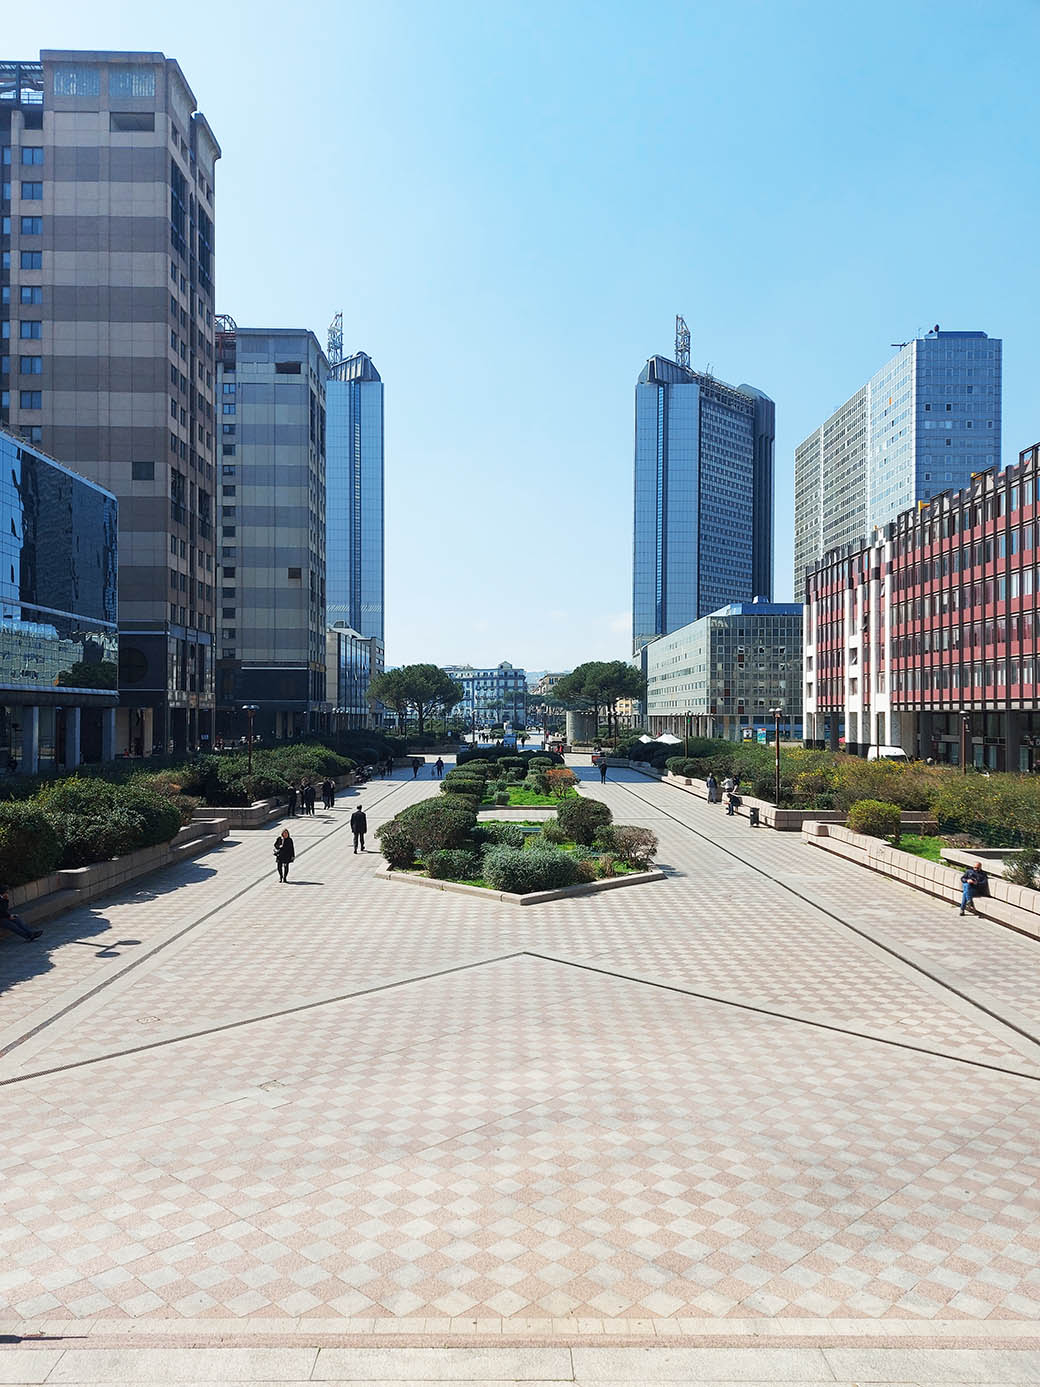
x=1016 y=907
x=262 y=811
x=50 y=895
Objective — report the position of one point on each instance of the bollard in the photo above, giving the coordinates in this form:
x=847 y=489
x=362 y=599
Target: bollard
x=752 y=815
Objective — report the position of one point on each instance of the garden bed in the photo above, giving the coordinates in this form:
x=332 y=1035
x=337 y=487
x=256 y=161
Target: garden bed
x=522 y=798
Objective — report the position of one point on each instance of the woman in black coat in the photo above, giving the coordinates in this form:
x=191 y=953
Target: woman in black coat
x=284 y=853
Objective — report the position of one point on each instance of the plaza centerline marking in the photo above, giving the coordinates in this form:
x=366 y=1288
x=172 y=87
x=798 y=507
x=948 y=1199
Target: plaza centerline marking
x=845 y=924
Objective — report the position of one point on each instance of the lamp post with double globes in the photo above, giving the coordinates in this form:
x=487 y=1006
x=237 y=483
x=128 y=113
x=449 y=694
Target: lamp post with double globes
x=250 y=710
x=777 y=715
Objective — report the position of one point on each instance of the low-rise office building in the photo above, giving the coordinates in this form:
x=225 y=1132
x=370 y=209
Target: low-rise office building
x=352 y=661
x=926 y=636
x=721 y=676
x=59 y=644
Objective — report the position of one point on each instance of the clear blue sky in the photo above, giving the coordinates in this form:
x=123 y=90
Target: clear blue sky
x=511 y=203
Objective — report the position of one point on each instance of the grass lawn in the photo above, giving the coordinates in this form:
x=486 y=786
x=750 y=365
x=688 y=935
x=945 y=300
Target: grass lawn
x=521 y=798
x=922 y=845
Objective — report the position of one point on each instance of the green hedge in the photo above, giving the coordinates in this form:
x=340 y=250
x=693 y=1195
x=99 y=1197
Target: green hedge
x=29 y=843
x=876 y=819
x=580 y=818
x=537 y=868
x=434 y=823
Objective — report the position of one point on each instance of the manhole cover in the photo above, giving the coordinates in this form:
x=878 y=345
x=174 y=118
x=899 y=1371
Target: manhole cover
x=147 y=1020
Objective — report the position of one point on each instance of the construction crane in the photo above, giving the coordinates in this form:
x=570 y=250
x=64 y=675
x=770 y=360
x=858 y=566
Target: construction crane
x=335 y=352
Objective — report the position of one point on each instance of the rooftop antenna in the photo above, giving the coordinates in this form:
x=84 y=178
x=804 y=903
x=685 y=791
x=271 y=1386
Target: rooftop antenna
x=336 y=339
x=682 y=342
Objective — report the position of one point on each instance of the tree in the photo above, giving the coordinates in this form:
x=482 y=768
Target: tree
x=597 y=686
x=422 y=688
x=391 y=689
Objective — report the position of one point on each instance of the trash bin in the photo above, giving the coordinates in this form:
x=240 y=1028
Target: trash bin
x=752 y=815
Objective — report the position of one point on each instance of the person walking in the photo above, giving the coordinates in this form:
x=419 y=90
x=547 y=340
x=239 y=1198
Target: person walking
x=439 y=764
x=416 y=765
x=359 y=827
x=602 y=770
x=292 y=801
x=729 y=787
x=973 y=883
x=325 y=789
x=332 y=793
x=12 y=922
x=284 y=853
x=308 y=798
x=390 y=766
x=713 y=788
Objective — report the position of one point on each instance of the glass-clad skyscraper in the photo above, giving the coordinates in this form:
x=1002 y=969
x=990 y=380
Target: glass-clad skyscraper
x=354 y=496
x=924 y=424
x=703 y=497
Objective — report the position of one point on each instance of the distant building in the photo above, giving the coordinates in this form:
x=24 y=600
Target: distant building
x=354 y=496
x=927 y=636
x=703 y=532
x=923 y=424
x=720 y=676
x=491 y=696
x=58 y=612
x=271 y=544
x=352 y=661
x=108 y=174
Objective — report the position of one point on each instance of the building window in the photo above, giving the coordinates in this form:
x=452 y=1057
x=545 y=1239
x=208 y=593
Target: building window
x=31 y=259
x=31 y=365
x=287 y=368
x=30 y=327
x=77 y=81
x=227 y=409
x=142 y=471
x=295 y=575
x=32 y=154
x=229 y=388
x=32 y=192
x=30 y=399
x=131 y=81
x=32 y=226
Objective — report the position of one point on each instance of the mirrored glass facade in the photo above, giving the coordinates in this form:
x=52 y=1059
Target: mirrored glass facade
x=703 y=503
x=354 y=496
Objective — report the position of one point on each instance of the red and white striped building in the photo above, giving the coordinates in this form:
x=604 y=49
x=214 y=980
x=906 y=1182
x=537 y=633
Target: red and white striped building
x=927 y=637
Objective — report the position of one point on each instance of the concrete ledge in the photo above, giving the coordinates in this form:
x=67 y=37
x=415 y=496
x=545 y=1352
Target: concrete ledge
x=64 y=890
x=586 y=888
x=1014 y=907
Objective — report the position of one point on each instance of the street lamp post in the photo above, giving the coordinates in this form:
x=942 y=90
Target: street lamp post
x=250 y=710
x=965 y=728
x=777 y=714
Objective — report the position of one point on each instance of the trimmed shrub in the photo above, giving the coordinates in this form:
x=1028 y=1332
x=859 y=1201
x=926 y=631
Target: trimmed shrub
x=553 y=833
x=560 y=780
x=470 y=803
x=29 y=845
x=635 y=847
x=588 y=869
x=435 y=823
x=998 y=810
x=1023 y=868
x=521 y=870
x=607 y=865
x=473 y=788
x=876 y=819
x=98 y=820
x=487 y=834
x=396 y=845
x=502 y=798
x=453 y=864
x=580 y=818
x=537 y=783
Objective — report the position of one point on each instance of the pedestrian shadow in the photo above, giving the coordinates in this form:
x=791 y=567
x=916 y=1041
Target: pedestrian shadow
x=83 y=926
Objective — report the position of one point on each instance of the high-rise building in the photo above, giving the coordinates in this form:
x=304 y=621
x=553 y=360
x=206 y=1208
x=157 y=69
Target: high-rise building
x=922 y=425
x=271 y=653
x=354 y=501
x=703 y=497
x=107 y=279
x=58 y=638
x=352 y=661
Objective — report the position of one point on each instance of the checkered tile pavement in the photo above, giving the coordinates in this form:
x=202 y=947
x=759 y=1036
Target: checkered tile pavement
x=524 y=1137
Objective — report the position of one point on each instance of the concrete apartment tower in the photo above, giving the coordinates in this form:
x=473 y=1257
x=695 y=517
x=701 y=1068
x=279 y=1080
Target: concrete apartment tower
x=703 y=506
x=107 y=280
x=926 y=422
x=355 y=495
x=271 y=653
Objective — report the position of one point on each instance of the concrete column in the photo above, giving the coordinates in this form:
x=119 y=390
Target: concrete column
x=108 y=734
x=30 y=762
x=73 y=719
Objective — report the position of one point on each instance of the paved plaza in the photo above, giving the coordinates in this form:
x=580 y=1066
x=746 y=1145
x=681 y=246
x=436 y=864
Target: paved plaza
x=771 y=1098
